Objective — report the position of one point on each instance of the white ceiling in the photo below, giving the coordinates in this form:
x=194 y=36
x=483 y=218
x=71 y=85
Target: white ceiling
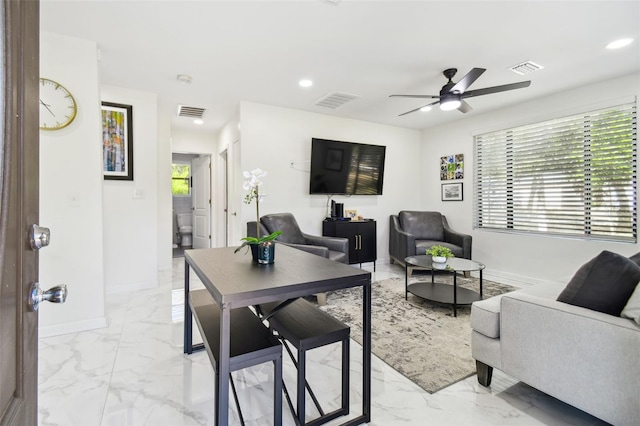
x=258 y=50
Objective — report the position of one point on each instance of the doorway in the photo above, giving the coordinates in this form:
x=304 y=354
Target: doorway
x=191 y=202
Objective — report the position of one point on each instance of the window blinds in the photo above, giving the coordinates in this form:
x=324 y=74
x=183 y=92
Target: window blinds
x=572 y=176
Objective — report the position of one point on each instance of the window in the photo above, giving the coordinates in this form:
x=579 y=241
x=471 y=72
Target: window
x=571 y=176
x=180 y=177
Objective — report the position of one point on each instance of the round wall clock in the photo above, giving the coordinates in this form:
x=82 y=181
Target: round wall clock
x=57 y=106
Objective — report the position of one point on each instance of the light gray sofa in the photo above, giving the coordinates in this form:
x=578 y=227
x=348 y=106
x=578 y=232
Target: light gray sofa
x=585 y=358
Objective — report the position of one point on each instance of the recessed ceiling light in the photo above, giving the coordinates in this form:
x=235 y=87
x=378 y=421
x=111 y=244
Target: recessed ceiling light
x=184 y=79
x=617 y=44
x=198 y=121
x=426 y=108
x=305 y=83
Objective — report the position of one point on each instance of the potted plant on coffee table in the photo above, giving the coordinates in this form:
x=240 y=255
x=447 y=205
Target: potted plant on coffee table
x=439 y=254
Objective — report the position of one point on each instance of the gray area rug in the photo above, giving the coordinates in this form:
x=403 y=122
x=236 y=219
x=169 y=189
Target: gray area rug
x=420 y=339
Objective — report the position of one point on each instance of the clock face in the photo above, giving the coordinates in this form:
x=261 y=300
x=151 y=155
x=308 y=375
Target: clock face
x=57 y=106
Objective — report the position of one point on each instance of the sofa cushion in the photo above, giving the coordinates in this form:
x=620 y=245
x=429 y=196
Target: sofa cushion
x=422 y=225
x=632 y=309
x=423 y=245
x=603 y=284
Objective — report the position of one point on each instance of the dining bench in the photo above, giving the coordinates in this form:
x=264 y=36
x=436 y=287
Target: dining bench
x=251 y=343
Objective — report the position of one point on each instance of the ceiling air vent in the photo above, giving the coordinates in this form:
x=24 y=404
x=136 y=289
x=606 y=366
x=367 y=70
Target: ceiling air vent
x=335 y=100
x=190 y=112
x=526 y=68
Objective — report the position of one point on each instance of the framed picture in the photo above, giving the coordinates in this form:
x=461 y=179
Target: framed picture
x=452 y=167
x=352 y=214
x=452 y=191
x=117 y=141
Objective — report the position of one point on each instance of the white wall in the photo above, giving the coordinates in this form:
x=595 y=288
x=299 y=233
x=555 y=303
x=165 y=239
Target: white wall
x=165 y=219
x=131 y=207
x=193 y=142
x=278 y=140
x=519 y=259
x=71 y=191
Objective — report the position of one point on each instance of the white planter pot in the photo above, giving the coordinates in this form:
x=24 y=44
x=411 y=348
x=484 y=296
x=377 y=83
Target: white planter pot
x=439 y=259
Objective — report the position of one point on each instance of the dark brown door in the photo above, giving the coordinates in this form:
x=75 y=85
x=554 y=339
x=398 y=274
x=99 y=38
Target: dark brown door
x=18 y=210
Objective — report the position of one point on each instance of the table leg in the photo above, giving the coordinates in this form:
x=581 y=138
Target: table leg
x=480 y=284
x=222 y=385
x=455 y=295
x=366 y=353
x=406 y=283
x=188 y=322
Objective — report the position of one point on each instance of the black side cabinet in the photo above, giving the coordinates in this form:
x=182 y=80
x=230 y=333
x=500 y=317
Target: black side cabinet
x=361 y=235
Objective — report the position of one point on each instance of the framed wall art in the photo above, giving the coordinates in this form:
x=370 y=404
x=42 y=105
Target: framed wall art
x=117 y=141
x=452 y=167
x=452 y=191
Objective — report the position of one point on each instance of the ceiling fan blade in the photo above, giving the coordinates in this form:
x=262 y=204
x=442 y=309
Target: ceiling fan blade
x=467 y=80
x=496 y=89
x=414 y=96
x=464 y=107
x=419 y=108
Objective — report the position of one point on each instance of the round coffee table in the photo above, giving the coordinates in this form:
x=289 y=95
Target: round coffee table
x=440 y=292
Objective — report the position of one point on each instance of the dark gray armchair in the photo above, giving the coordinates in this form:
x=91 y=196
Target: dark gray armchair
x=333 y=248
x=413 y=232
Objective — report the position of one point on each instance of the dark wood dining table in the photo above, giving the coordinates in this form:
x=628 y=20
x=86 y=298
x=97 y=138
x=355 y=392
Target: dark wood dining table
x=235 y=281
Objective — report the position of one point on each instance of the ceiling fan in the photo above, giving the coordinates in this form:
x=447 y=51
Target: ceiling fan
x=452 y=95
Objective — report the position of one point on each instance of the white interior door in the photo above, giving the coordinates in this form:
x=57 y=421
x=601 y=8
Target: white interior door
x=201 y=199
x=235 y=198
x=223 y=184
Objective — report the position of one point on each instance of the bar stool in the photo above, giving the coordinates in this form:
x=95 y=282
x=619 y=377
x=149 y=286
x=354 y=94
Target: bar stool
x=251 y=344
x=307 y=327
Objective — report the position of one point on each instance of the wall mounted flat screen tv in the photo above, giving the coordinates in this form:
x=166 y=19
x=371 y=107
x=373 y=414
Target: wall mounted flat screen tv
x=346 y=168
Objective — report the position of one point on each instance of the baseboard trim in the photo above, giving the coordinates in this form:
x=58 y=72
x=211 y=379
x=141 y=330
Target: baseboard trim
x=513 y=279
x=72 y=327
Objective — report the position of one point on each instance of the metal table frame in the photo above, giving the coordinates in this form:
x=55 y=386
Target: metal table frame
x=453 y=265
x=234 y=281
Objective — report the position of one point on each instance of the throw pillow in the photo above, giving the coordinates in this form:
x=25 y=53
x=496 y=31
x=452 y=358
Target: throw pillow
x=636 y=258
x=603 y=284
x=632 y=309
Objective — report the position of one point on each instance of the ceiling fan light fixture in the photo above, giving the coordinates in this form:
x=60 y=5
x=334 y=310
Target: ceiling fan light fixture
x=450 y=103
x=617 y=44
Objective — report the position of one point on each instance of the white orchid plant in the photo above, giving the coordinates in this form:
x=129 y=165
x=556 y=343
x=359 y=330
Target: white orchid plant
x=252 y=184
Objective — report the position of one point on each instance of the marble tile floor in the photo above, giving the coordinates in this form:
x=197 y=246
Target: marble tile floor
x=134 y=373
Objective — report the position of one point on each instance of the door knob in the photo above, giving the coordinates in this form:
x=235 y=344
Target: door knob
x=39 y=237
x=57 y=294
